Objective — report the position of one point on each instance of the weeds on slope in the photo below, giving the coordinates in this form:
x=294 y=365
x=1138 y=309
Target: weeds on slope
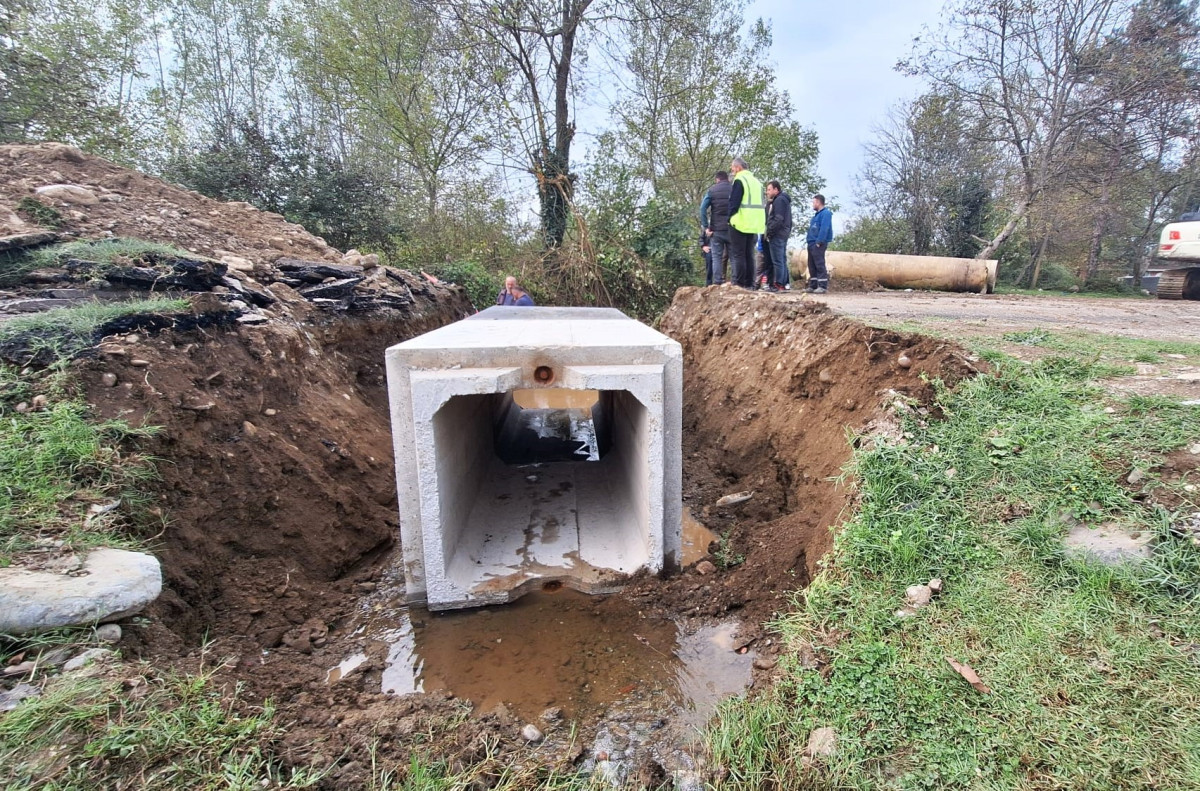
x=1093 y=671
x=148 y=731
x=60 y=334
x=67 y=476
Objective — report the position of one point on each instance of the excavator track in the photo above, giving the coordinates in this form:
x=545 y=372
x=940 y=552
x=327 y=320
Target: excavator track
x=1180 y=283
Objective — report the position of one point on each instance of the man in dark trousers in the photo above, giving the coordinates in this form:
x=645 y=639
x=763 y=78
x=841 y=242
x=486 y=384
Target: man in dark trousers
x=779 y=228
x=706 y=253
x=714 y=225
x=747 y=219
x=820 y=234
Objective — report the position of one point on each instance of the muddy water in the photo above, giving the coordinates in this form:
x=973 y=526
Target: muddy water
x=696 y=538
x=564 y=649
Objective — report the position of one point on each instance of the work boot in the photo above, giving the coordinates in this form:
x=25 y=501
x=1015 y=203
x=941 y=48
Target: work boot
x=820 y=291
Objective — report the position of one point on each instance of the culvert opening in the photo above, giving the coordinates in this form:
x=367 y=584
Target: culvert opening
x=535 y=483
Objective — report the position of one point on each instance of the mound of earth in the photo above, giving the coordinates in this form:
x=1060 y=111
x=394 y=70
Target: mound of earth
x=95 y=199
x=772 y=387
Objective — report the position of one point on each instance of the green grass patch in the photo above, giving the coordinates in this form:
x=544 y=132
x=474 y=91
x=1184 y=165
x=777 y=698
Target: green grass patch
x=63 y=333
x=1094 y=682
x=117 y=252
x=101 y=253
x=1111 y=348
x=58 y=461
x=163 y=732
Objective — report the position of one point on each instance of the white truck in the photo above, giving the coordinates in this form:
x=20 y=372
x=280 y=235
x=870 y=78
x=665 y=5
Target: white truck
x=1179 y=259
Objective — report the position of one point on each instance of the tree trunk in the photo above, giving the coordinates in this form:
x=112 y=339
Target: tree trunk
x=1005 y=232
x=1037 y=260
x=556 y=182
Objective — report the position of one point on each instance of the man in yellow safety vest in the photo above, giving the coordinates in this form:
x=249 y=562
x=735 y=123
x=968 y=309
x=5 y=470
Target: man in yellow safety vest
x=747 y=219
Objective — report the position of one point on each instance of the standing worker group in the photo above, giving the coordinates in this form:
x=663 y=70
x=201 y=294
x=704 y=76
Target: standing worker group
x=739 y=215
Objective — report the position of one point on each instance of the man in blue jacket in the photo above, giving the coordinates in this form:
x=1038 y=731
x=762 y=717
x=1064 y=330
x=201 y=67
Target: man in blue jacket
x=820 y=234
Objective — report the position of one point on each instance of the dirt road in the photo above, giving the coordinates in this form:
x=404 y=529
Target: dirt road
x=974 y=314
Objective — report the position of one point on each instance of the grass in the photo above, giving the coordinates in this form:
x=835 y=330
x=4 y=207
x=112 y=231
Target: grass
x=63 y=333
x=1094 y=685
x=119 y=251
x=1099 y=346
x=58 y=460
x=103 y=253
x=149 y=731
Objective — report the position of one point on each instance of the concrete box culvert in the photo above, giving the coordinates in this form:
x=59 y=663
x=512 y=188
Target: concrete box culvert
x=535 y=447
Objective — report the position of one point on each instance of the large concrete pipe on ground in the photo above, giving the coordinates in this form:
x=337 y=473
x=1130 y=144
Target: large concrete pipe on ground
x=534 y=447
x=935 y=273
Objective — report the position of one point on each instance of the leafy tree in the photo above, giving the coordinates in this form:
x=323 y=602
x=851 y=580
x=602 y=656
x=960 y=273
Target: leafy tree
x=284 y=174
x=396 y=65
x=928 y=173
x=68 y=72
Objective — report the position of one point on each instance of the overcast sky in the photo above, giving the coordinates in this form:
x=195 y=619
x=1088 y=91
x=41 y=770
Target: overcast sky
x=836 y=59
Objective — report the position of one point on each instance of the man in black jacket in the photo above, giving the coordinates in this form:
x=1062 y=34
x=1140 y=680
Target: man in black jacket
x=714 y=224
x=779 y=228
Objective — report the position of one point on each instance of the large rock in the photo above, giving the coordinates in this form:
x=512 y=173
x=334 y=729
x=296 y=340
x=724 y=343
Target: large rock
x=68 y=193
x=115 y=583
x=32 y=239
x=316 y=271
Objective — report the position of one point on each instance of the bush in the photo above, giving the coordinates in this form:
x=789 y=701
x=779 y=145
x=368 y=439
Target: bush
x=481 y=285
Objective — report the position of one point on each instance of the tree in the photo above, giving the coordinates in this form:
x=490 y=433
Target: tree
x=346 y=205
x=68 y=72
x=694 y=102
x=1022 y=68
x=396 y=66
x=928 y=172
x=531 y=49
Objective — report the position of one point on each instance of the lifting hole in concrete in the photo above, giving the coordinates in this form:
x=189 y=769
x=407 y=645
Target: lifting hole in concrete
x=543 y=374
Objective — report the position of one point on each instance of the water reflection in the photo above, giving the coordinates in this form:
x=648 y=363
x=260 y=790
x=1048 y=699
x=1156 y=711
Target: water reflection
x=579 y=653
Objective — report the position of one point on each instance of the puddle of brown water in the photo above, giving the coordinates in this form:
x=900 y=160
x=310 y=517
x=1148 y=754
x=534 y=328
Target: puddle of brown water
x=563 y=649
x=696 y=538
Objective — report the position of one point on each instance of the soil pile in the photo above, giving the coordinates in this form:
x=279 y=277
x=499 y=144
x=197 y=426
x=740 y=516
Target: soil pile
x=773 y=385
x=89 y=197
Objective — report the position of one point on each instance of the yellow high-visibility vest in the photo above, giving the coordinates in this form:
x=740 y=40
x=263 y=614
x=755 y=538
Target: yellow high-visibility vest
x=751 y=215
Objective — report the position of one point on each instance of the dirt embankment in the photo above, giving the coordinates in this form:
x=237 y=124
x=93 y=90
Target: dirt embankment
x=771 y=389
x=276 y=473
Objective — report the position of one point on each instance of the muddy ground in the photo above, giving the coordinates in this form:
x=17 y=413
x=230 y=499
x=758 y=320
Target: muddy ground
x=279 y=499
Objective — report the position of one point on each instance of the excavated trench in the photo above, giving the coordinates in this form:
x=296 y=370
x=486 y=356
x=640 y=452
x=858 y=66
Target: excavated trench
x=279 y=534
